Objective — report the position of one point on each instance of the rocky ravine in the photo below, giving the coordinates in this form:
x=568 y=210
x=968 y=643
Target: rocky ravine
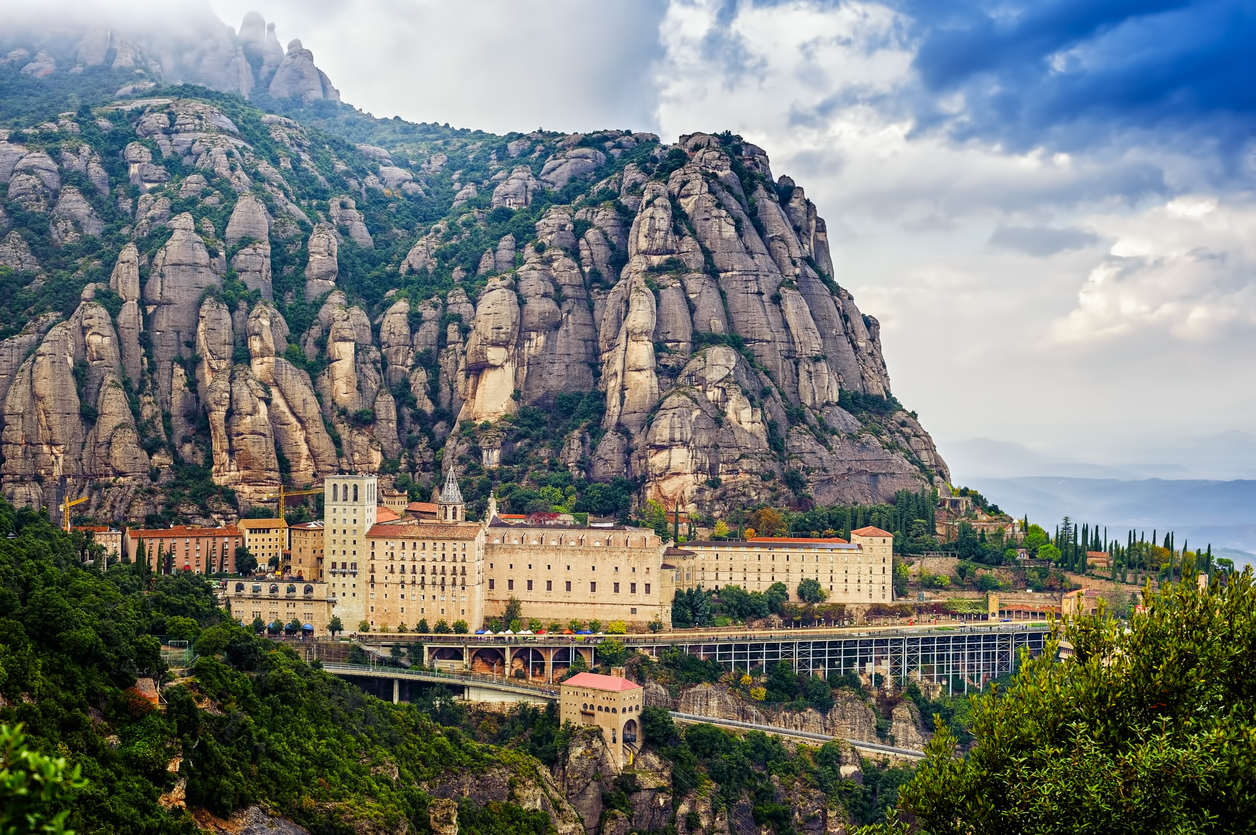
x=685 y=285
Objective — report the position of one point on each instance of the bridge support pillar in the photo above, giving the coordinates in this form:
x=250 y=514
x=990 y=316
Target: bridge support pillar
x=396 y=690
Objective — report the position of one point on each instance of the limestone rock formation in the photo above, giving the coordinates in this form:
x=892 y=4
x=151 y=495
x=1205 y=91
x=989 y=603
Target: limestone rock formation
x=16 y=255
x=74 y=217
x=250 y=222
x=181 y=273
x=517 y=190
x=322 y=269
x=296 y=76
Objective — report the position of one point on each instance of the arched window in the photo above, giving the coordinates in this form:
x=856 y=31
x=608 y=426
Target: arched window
x=239 y=587
x=335 y=492
x=599 y=708
x=274 y=588
x=614 y=710
x=355 y=492
x=308 y=589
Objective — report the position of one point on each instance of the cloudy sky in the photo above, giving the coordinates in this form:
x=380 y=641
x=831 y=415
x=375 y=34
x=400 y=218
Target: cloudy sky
x=1049 y=205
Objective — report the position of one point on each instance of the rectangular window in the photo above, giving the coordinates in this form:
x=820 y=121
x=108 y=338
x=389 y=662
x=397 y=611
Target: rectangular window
x=632 y=588
x=549 y=585
x=568 y=585
x=510 y=585
x=616 y=588
x=529 y=585
x=593 y=587
x=490 y=585
x=647 y=588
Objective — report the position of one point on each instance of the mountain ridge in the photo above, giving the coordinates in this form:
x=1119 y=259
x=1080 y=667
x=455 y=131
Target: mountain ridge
x=260 y=300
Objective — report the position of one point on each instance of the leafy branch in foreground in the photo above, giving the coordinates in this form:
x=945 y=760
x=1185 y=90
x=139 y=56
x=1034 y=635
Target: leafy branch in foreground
x=1147 y=727
x=32 y=786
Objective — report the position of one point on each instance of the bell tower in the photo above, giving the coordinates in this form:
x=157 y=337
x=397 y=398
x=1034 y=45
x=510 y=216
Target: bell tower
x=450 y=507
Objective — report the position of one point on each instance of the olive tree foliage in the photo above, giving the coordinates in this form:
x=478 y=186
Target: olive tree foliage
x=33 y=787
x=1149 y=727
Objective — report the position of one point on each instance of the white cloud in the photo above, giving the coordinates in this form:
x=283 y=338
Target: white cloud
x=1186 y=268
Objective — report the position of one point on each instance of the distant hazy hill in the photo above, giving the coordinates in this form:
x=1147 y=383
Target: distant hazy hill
x=1217 y=512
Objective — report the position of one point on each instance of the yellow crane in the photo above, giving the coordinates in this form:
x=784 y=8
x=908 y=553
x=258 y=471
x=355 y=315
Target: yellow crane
x=64 y=507
x=284 y=494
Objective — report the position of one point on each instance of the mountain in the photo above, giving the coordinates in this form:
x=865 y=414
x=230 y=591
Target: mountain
x=1221 y=456
x=199 y=288
x=1198 y=511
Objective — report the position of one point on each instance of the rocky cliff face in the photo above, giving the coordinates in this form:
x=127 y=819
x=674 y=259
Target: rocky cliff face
x=273 y=303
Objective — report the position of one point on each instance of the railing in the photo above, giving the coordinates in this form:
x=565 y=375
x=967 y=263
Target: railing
x=773 y=729
x=720 y=634
x=468 y=678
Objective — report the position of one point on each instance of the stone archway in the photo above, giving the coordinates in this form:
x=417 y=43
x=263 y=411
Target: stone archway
x=489 y=661
x=531 y=661
x=631 y=734
x=446 y=658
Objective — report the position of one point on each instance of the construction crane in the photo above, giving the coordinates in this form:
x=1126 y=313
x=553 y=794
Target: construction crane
x=64 y=507
x=284 y=494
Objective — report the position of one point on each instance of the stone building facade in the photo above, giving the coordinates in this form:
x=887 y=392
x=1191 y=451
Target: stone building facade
x=349 y=508
x=610 y=703
x=266 y=539
x=203 y=550
x=564 y=573
x=305 y=551
x=279 y=601
x=859 y=571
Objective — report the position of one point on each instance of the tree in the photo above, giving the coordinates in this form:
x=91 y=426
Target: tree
x=421 y=627
x=258 y=626
x=32 y=786
x=612 y=653
x=364 y=626
x=245 y=562
x=442 y=627
x=1113 y=738
x=809 y=591
x=460 y=627
x=777 y=595
x=335 y=627
x=1049 y=552
x=514 y=610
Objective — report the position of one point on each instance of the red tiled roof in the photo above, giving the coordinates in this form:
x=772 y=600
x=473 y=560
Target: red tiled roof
x=421 y=507
x=92 y=528
x=383 y=514
x=871 y=531
x=424 y=531
x=598 y=682
x=788 y=539
x=185 y=531
x=316 y=525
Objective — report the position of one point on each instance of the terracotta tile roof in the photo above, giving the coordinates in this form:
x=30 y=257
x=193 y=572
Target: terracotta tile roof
x=250 y=524
x=421 y=507
x=786 y=540
x=431 y=531
x=599 y=682
x=92 y=528
x=383 y=514
x=870 y=531
x=316 y=525
x=185 y=531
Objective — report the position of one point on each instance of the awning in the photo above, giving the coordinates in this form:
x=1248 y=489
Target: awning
x=309 y=627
